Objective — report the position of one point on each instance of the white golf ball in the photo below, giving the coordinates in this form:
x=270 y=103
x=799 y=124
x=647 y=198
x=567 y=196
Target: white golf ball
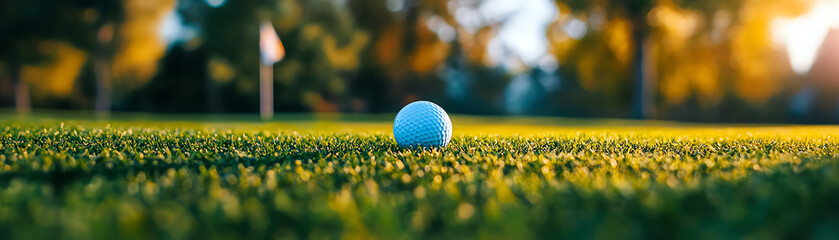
x=422 y=124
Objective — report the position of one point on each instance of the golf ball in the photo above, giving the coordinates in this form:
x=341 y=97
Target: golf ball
x=422 y=124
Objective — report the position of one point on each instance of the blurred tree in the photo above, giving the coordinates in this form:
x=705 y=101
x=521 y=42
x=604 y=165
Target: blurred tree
x=24 y=25
x=599 y=61
x=35 y=25
x=322 y=46
x=139 y=45
x=421 y=51
x=625 y=15
x=229 y=33
x=716 y=61
x=683 y=43
x=98 y=28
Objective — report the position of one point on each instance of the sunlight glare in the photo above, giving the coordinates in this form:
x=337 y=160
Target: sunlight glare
x=803 y=35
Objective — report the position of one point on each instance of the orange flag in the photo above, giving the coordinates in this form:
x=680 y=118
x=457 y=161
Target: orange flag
x=270 y=47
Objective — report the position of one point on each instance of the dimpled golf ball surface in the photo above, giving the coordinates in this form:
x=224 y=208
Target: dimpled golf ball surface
x=422 y=124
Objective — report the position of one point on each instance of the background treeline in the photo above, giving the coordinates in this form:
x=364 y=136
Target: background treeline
x=662 y=59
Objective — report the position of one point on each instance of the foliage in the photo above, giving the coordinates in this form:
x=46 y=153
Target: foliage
x=698 y=52
x=498 y=179
x=705 y=60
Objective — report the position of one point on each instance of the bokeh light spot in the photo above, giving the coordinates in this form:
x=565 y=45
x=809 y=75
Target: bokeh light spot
x=215 y=3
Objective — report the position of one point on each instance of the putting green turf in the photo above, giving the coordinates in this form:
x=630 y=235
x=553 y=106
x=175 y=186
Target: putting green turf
x=332 y=176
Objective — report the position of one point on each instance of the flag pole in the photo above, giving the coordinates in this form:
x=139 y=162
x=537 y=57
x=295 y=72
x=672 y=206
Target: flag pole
x=266 y=91
x=271 y=51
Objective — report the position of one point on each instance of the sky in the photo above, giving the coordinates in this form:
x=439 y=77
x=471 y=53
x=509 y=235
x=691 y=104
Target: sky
x=523 y=33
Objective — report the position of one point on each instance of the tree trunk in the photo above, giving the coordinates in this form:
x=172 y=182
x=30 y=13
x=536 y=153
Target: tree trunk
x=21 y=90
x=212 y=98
x=643 y=89
x=102 y=67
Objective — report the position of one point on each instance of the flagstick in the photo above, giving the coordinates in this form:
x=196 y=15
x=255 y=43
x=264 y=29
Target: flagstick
x=271 y=51
x=266 y=91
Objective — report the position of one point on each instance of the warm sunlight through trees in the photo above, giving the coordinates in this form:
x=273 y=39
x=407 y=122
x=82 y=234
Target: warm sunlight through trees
x=136 y=60
x=702 y=51
x=640 y=58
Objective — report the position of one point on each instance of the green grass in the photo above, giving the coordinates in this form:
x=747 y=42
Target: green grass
x=336 y=177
